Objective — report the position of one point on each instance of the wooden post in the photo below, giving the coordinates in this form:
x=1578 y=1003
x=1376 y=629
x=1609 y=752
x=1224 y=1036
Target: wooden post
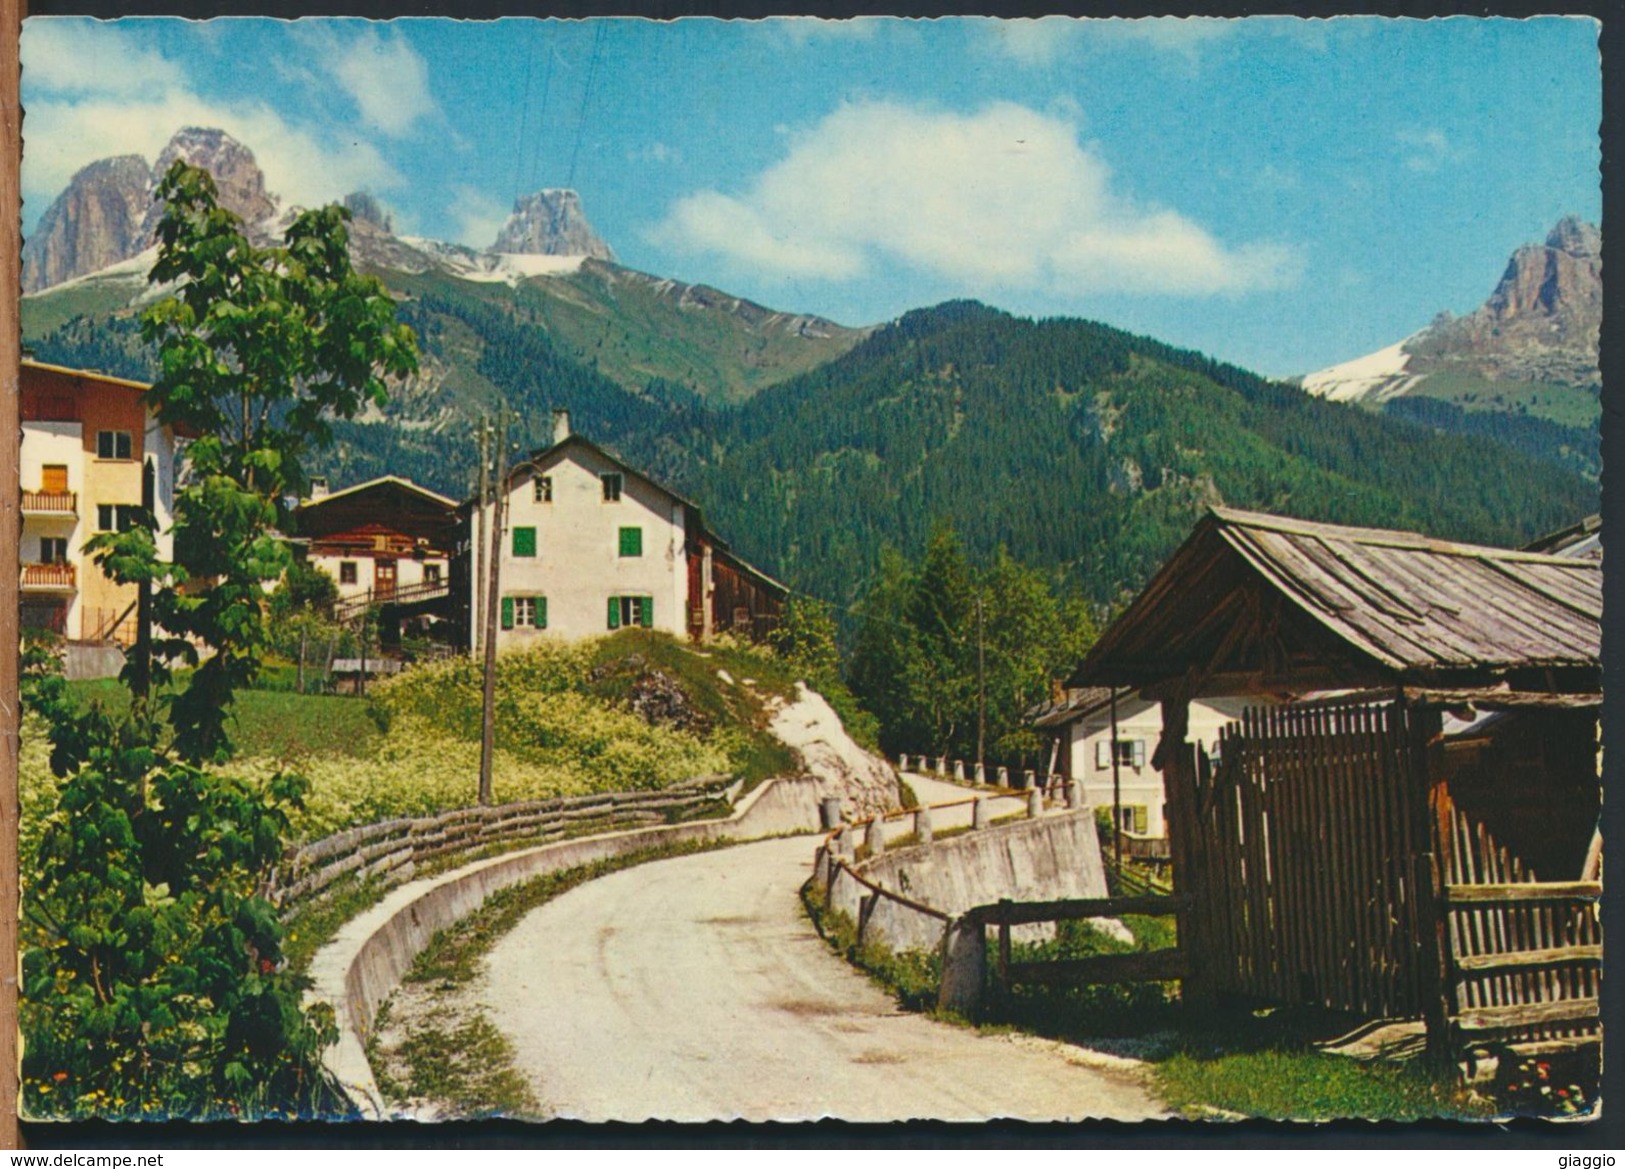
x=1117 y=790
x=1426 y=787
x=11 y=524
x=476 y=607
x=1179 y=779
x=301 y=681
x=492 y=600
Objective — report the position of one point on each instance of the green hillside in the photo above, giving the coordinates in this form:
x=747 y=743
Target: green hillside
x=1081 y=449
x=634 y=328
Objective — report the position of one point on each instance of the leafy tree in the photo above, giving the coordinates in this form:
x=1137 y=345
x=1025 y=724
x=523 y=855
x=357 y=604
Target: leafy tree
x=154 y=982
x=806 y=636
x=941 y=641
x=304 y=588
x=258 y=351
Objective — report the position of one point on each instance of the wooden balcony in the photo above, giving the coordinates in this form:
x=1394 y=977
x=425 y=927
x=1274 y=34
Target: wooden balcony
x=49 y=578
x=65 y=503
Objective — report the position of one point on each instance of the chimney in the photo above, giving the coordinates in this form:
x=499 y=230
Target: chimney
x=318 y=486
x=561 y=425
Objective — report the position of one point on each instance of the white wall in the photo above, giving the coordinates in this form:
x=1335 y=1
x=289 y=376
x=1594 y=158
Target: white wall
x=408 y=571
x=1140 y=720
x=578 y=565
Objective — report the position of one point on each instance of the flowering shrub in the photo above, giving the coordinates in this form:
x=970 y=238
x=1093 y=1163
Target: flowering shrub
x=1546 y=1085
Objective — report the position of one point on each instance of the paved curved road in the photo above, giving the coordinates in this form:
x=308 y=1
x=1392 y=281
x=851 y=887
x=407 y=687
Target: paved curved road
x=695 y=989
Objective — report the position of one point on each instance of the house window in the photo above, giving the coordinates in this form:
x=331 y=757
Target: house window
x=431 y=574
x=113 y=444
x=544 y=489
x=1130 y=753
x=524 y=612
x=347 y=572
x=115 y=517
x=631 y=541
x=631 y=611
x=524 y=541
x=612 y=486
x=1134 y=818
x=54 y=479
x=53 y=550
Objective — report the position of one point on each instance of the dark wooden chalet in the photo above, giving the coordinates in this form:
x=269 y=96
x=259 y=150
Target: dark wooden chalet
x=387 y=542
x=1424 y=840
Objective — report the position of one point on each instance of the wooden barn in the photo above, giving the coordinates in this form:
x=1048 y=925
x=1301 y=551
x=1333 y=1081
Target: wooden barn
x=1422 y=839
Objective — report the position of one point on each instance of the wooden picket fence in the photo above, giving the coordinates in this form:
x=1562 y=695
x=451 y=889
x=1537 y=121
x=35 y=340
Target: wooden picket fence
x=1319 y=875
x=393 y=850
x=1525 y=955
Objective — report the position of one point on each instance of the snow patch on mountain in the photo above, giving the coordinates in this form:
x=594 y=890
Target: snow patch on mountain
x=1376 y=377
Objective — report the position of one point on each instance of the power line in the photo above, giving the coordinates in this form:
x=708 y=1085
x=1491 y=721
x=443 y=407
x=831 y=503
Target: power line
x=541 y=130
x=586 y=93
x=524 y=119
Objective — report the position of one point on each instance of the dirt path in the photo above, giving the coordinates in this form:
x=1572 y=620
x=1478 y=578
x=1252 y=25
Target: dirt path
x=695 y=989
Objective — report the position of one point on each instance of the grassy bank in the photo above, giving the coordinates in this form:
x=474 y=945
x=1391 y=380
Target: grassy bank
x=635 y=710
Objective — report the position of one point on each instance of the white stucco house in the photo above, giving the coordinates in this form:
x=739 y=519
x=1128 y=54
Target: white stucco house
x=590 y=545
x=1080 y=730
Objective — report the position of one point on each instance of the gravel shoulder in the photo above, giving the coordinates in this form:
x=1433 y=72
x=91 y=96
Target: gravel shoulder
x=695 y=989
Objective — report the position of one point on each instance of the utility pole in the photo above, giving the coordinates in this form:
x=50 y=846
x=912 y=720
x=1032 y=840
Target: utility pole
x=981 y=686
x=1117 y=790
x=475 y=609
x=141 y=682
x=492 y=600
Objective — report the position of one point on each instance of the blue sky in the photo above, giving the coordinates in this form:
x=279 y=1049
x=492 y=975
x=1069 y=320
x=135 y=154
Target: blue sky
x=1280 y=193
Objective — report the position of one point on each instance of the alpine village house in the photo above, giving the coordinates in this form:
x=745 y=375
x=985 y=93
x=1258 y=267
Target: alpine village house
x=590 y=545
x=85 y=439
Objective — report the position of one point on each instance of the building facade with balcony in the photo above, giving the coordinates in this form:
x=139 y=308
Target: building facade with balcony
x=85 y=436
x=386 y=540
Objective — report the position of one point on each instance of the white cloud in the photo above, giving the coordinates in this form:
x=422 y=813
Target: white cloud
x=1042 y=41
x=300 y=167
x=478 y=216
x=805 y=30
x=91 y=57
x=93 y=90
x=1004 y=198
x=1426 y=150
x=381 y=72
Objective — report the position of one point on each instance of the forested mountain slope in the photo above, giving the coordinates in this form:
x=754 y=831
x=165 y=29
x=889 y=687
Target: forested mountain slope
x=1081 y=449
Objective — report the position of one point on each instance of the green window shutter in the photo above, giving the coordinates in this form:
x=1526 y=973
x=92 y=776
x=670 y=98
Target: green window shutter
x=646 y=607
x=507 y=612
x=1139 y=820
x=615 y=612
x=631 y=541
x=541 y=612
x=524 y=541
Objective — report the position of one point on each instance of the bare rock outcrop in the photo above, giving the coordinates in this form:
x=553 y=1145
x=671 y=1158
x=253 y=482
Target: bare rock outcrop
x=863 y=782
x=97 y=220
x=551 y=223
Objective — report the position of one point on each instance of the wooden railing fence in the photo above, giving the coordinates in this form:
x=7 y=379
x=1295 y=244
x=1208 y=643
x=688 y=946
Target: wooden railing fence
x=1525 y=955
x=392 y=850
x=1162 y=965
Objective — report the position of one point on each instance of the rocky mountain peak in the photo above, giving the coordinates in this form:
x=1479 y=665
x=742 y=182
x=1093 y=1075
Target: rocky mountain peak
x=96 y=221
x=551 y=223
x=365 y=208
x=237 y=176
x=1578 y=238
